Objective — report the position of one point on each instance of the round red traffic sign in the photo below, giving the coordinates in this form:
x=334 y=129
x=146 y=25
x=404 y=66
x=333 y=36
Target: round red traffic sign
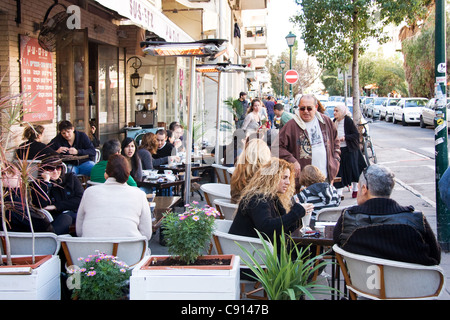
x=291 y=76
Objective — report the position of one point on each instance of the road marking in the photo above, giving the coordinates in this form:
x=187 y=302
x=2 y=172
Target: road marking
x=415 y=192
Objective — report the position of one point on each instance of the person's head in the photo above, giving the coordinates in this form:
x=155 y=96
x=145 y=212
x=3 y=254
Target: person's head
x=11 y=178
x=161 y=137
x=278 y=109
x=53 y=167
x=311 y=174
x=128 y=147
x=177 y=132
x=243 y=95
x=340 y=110
x=307 y=107
x=274 y=179
x=255 y=106
x=170 y=136
x=66 y=129
x=118 y=168
x=109 y=148
x=33 y=133
x=149 y=142
x=375 y=181
x=173 y=124
x=93 y=126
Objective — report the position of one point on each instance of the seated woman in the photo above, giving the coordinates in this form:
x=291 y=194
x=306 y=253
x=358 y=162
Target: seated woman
x=33 y=148
x=266 y=204
x=17 y=213
x=114 y=209
x=129 y=148
x=148 y=148
x=316 y=190
x=255 y=154
x=57 y=191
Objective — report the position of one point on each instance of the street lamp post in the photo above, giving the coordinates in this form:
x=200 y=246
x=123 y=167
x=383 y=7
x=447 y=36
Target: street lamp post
x=290 y=40
x=282 y=65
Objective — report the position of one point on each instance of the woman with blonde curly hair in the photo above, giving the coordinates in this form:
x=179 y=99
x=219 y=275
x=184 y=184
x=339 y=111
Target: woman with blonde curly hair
x=255 y=153
x=266 y=203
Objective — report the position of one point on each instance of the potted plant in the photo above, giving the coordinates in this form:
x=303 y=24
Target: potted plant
x=34 y=277
x=286 y=272
x=187 y=273
x=101 y=277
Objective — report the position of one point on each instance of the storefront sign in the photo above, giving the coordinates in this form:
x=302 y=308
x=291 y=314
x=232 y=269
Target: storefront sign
x=142 y=13
x=36 y=71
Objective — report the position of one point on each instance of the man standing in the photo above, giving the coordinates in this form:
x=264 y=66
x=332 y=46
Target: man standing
x=284 y=116
x=380 y=227
x=243 y=100
x=310 y=139
x=72 y=142
x=270 y=103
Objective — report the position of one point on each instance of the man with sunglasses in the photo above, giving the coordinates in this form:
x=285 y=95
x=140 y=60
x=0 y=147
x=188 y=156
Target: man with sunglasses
x=380 y=227
x=310 y=138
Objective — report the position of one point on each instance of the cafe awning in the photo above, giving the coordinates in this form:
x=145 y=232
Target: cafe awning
x=371 y=86
x=148 y=17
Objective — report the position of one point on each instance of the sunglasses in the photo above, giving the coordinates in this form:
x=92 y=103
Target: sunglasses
x=51 y=168
x=304 y=108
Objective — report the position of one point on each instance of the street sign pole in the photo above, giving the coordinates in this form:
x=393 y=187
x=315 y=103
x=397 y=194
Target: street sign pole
x=440 y=125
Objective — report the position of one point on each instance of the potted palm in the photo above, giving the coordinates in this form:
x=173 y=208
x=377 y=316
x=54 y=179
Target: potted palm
x=187 y=273
x=31 y=277
x=285 y=272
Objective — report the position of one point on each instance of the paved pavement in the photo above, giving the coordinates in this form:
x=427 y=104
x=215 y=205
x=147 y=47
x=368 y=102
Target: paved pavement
x=402 y=194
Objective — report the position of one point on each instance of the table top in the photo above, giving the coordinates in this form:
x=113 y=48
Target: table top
x=72 y=157
x=164 y=184
x=298 y=237
x=182 y=167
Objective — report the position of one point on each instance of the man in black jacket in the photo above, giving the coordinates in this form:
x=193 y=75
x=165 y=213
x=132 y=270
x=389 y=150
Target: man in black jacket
x=72 y=142
x=380 y=227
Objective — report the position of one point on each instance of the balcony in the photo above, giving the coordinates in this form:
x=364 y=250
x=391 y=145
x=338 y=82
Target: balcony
x=255 y=38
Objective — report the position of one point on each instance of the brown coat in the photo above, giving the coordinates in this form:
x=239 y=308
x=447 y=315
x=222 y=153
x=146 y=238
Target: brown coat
x=293 y=144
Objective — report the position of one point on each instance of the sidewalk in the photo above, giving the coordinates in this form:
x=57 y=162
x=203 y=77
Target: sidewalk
x=402 y=195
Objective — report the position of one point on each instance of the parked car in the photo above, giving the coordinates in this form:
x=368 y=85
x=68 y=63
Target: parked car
x=408 y=110
x=386 y=108
x=365 y=104
x=373 y=109
x=429 y=113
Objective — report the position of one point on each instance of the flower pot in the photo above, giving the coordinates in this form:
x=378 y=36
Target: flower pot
x=27 y=281
x=155 y=282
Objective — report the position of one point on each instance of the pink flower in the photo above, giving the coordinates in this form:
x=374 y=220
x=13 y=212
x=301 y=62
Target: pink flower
x=196 y=218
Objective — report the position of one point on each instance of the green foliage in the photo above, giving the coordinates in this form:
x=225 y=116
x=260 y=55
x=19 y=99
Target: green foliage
x=282 y=276
x=235 y=107
x=102 y=277
x=187 y=234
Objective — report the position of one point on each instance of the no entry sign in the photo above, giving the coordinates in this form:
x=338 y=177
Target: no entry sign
x=291 y=76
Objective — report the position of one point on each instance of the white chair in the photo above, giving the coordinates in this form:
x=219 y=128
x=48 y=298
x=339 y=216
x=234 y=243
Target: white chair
x=92 y=183
x=329 y=214
x=230 y=170
x=98 y=155
x=214 y=191
x=226 y=208
x=381 y=279
x=129 y=250
x=226 y=243
x=221 y=173
x=21 y=243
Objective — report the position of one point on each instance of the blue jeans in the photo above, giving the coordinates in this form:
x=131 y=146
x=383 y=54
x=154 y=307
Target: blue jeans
x=83 y=168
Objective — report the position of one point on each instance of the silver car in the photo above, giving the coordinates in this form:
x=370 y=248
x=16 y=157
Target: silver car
x=386 y=108
x=429 y=113
x=408 y=110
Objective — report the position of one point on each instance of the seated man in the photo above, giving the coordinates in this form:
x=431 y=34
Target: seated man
x=380 y=227
x=72 y=142
x=109 y=148
x=165 y=148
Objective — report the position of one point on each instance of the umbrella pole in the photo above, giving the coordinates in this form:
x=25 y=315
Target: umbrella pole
x=219 y=98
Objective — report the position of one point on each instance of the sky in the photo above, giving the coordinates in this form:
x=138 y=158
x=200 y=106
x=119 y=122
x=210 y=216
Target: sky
x=279 y=26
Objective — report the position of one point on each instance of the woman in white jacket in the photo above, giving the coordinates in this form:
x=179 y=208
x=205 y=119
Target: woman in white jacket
x=114 y=209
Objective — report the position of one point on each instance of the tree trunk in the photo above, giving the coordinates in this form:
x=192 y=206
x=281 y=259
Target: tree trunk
x=355 y=71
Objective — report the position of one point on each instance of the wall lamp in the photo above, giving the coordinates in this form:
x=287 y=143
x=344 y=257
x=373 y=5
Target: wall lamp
x=135 y=77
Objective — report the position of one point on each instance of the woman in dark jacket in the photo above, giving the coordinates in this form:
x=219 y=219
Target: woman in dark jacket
x=352 y=162
x=57 y=192
x=33 y=148
x=266 y=203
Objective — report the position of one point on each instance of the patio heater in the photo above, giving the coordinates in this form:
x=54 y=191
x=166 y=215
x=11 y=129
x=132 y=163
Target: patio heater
x=219 y=68
x=211 y=48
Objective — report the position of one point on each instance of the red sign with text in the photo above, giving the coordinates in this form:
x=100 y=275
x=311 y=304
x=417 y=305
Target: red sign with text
x=37 y=80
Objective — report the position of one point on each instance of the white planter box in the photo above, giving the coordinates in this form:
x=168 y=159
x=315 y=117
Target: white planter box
x=42 y=284
x=185 y=284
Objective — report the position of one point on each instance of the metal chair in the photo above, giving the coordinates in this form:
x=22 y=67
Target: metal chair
x=214 y=191
x=226 y=208
x=129 y=250
x=382 y=279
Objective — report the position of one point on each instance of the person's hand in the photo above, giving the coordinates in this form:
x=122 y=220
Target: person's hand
x=73 y=151
x=50 y=207
x=46 y=176
x=177 y=143
x=62 y=150
x=309 y=207
x=174 y=158
x=297 y=169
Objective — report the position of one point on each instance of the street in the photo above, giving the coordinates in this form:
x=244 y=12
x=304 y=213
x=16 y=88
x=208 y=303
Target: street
x=409 y=153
